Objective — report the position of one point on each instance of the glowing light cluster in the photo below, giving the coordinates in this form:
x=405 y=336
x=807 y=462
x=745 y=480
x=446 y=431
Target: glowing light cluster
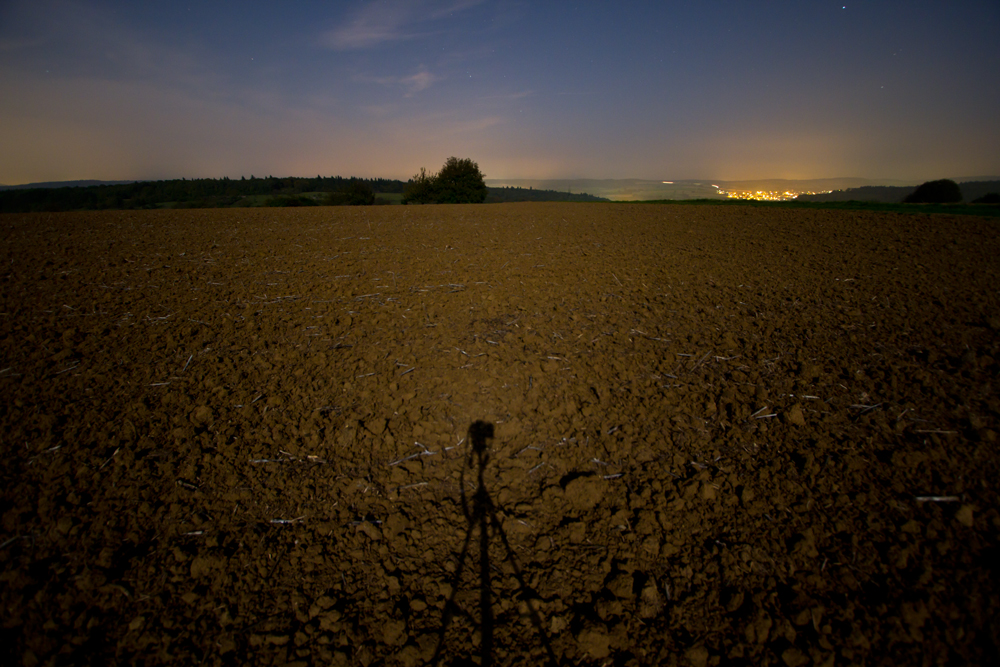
x=766 y=195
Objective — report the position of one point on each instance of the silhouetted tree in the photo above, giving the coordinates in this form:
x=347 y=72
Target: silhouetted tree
x=936 y=192
x=460 y=182
x=988 y=198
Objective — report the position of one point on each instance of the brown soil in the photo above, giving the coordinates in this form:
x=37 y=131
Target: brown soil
x=247 y=436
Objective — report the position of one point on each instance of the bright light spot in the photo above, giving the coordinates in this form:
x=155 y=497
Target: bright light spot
x=668 y=182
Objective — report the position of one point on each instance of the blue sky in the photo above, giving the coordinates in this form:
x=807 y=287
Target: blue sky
x=658 y=90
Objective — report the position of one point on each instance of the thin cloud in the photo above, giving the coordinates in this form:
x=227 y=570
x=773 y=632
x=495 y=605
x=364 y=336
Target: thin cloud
x=389 y=21
x=419 y=81
x=443 y=9
x=378 y=23
x=413 y=84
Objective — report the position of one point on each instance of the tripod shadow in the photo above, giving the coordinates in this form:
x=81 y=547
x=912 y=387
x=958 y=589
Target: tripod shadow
x=482 y=515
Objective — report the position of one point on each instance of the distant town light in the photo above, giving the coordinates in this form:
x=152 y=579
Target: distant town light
x=668 y=182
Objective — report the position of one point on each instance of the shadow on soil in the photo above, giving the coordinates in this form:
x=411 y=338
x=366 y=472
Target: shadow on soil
x=482 y=515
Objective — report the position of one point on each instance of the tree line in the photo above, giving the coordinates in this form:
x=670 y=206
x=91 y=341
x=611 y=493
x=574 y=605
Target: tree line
x=459 y=181
x=516 y=194
x=197 y=193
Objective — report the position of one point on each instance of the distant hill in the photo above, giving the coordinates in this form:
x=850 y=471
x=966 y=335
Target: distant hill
x=809 y=185
x=875 y=193
x=971 y=190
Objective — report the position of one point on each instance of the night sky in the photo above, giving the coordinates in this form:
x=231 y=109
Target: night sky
x=656 y=90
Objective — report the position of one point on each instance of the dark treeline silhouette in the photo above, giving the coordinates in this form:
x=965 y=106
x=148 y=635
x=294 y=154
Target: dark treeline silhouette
x=184 y=193
x=226 y=192
x=62 y=184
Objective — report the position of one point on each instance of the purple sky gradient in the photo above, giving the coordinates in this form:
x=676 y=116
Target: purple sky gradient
x=658 y=90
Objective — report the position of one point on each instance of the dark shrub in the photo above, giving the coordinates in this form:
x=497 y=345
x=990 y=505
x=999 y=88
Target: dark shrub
x=359 y=193
x=283 y=200
x=420 y=189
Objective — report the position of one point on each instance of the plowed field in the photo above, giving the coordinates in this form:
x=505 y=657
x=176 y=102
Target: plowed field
x=591 y=434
